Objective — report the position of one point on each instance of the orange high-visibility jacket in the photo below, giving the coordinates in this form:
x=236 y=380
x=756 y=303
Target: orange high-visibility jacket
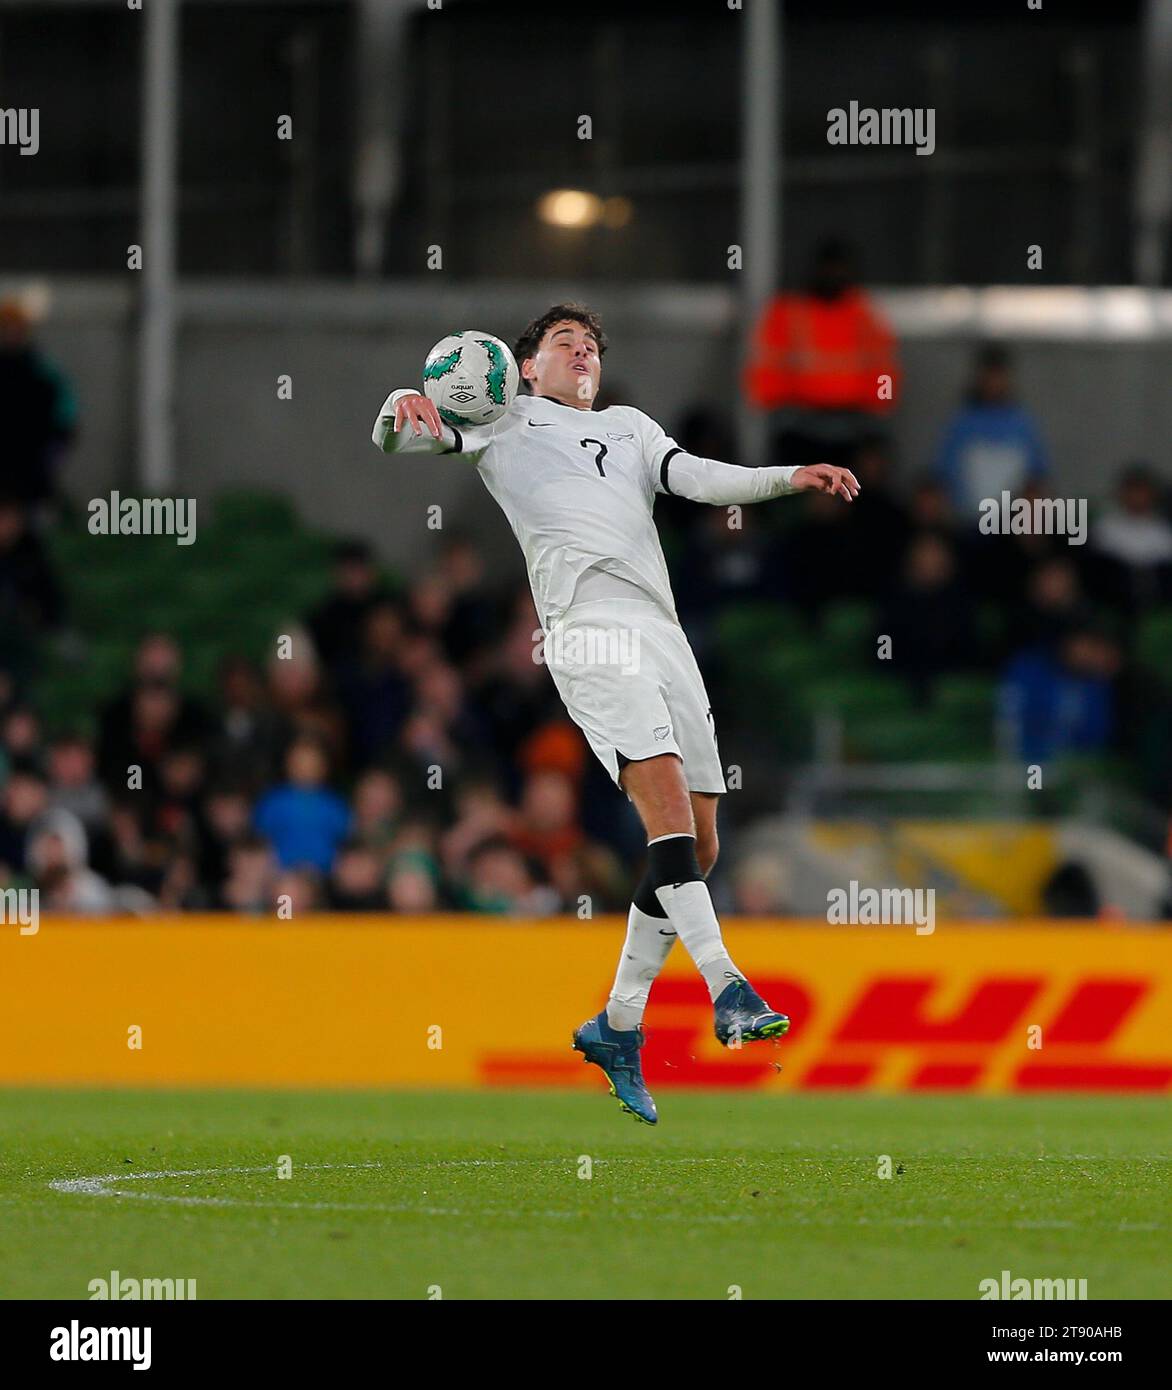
x=821 y=355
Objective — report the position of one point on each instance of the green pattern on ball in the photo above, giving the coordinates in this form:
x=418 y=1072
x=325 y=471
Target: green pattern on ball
x=497 y=372
x=435 y=371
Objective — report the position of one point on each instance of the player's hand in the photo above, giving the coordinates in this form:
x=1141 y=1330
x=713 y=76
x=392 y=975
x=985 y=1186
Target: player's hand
x=825 y=477
x=417 y=411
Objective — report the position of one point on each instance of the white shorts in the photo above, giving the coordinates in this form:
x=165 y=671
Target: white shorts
x=628 y=679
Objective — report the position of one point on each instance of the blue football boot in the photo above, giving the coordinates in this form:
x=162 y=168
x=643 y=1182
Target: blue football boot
x=742 y=1016
x=617 y=1053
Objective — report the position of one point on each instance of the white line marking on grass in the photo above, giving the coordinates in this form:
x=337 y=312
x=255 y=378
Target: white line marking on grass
x=102 y=1186
x=112 y=1185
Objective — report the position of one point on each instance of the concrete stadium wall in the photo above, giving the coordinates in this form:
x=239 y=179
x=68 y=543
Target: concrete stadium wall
x=1099 y=386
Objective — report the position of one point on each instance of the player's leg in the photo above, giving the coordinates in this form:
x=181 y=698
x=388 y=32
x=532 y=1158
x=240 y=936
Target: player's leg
x=660 y=792
x=650 y=934
x=617 y=707
x=672 y=817
x=613 y=1038
x=704 y=807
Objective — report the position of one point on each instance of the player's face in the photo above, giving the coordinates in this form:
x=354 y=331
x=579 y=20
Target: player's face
x=566 y=365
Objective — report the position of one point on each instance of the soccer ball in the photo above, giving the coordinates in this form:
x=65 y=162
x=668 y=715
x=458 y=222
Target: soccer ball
x=471 y=378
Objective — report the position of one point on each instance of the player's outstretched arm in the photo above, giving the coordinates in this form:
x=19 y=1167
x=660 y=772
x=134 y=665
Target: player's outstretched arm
x=409 y=423
x=707 y=480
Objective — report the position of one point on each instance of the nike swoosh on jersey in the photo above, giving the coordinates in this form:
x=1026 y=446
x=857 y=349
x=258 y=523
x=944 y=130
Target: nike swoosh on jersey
x=540 y=424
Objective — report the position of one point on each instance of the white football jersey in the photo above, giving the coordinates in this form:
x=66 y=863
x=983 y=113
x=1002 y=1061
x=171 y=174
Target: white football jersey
x=578 y=488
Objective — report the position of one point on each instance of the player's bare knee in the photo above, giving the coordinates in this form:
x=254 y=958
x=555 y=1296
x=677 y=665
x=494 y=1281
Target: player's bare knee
x=707 y=851
x=657 y=787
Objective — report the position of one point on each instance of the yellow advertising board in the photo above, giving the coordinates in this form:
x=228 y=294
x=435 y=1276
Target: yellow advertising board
x=473 y=1001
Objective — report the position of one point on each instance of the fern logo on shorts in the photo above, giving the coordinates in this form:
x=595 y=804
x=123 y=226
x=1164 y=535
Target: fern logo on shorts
x=662 y=732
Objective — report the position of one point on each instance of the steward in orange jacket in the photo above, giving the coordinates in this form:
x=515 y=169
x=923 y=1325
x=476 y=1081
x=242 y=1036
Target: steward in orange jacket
x=824 y=349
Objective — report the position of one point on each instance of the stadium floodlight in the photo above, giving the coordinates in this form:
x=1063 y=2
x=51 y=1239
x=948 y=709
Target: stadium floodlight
x=570 y=207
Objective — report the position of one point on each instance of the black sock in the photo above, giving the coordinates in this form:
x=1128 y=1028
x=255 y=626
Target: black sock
x=645 y=899
x=670 y=860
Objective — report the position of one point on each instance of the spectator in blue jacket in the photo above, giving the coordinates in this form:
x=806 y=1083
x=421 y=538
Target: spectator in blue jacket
x=1062 y=699
x=303 y=820
x=992 y=444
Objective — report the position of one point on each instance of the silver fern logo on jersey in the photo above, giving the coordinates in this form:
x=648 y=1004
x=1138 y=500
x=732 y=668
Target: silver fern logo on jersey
x=581 y=646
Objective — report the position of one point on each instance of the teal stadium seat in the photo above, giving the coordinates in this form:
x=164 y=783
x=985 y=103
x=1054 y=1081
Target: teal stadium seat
x=849 y=632
x=1153 y=645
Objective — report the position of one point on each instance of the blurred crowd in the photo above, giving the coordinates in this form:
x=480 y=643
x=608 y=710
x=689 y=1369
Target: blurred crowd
x=410 y=753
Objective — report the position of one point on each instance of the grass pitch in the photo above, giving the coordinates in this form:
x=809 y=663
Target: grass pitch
x=481 y=1194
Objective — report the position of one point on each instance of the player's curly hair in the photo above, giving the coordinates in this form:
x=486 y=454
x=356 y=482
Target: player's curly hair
x=530 y=340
